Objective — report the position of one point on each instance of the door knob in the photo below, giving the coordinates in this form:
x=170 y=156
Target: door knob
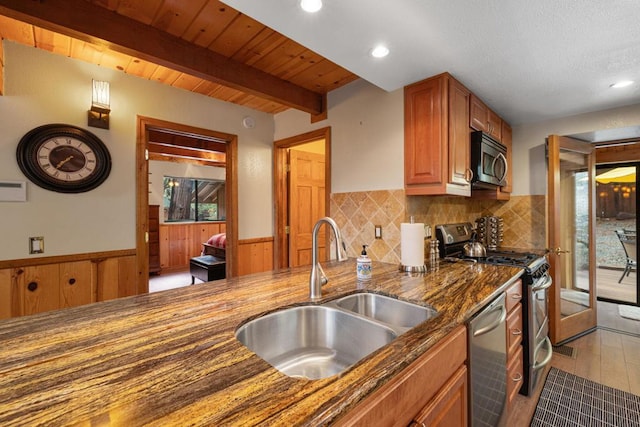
x=558 y=251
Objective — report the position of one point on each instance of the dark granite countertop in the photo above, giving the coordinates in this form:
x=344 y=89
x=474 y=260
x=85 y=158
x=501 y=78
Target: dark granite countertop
x=171 y=358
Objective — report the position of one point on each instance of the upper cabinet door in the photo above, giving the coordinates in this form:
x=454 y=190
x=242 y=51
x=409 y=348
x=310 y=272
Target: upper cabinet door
x=459 y=135
x=478 y=113
x=494 y=125
x=483 y=118
x=507 y=142
x=424 y=133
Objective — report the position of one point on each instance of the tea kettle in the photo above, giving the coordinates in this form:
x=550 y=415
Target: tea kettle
x=474 y=249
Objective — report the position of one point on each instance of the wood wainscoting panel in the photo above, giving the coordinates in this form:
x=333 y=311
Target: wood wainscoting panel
x=255 y=255
x=36 y=285
x=181 y=242
x=116 y=278
x=38 y=289
x=77 y=283
x=5 y=292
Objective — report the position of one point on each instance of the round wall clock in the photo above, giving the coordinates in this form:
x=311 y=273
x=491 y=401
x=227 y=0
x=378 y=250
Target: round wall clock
x=63 y=158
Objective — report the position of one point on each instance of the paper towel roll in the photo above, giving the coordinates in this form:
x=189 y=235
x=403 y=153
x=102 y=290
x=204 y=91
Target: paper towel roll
x=412 y=244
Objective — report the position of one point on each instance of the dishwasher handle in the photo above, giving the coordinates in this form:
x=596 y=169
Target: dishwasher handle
x=495 y=324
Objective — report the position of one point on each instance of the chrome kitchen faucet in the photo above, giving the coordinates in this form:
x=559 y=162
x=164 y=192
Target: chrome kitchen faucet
x=317 y=277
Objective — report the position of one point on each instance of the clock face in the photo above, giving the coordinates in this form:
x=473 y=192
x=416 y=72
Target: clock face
x=63 y=158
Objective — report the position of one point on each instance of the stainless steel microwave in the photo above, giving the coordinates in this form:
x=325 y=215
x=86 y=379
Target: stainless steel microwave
x=488 y=161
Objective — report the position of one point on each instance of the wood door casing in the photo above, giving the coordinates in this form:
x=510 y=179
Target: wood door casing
x=144 y=125
x=307 y=206
x=281 y=187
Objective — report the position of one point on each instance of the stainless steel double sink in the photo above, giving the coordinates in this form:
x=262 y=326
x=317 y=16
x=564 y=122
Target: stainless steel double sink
x=318 y=341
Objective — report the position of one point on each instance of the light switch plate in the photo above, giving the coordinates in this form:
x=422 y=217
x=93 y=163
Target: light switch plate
x=378 y=233
x=36 y=245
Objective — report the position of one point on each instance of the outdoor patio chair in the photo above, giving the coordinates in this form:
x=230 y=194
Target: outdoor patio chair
x=628 y=240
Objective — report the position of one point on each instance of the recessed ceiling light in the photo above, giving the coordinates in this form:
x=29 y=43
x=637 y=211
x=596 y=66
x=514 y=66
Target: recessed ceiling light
x=624 y=83
x=379 y=51
x=311 y=6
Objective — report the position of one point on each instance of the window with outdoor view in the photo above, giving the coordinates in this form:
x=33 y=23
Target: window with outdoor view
x=192 y=199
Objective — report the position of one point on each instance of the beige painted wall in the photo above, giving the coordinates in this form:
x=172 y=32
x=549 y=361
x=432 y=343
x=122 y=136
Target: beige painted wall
x=529 y=142
x=367 y=136
x=42 y=88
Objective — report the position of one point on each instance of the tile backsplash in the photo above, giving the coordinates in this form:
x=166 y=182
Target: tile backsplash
x=358 y=213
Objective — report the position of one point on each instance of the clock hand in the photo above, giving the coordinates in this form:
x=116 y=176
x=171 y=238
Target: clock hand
x=62 y=162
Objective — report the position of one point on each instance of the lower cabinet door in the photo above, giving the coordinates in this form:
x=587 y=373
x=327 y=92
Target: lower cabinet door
x=449 y=407
x=77 y=283
x=38 y=288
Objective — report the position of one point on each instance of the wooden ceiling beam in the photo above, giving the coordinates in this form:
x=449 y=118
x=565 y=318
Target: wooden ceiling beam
x=94 y=24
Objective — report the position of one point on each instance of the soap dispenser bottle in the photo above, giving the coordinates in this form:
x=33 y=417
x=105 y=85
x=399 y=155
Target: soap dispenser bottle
x=363 y=266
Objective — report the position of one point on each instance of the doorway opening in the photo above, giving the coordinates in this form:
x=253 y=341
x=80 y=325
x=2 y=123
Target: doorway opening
x=302 y=178
x=184 y=144
x=616 y=230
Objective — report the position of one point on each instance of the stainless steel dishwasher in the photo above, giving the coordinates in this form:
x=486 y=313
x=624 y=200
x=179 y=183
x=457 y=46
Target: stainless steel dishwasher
x=488 y=365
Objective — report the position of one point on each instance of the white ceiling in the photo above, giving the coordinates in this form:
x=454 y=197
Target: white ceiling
x=528 y=60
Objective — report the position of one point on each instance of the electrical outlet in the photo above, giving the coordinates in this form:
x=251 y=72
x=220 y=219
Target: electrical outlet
x=378 y=232
x=36 y=245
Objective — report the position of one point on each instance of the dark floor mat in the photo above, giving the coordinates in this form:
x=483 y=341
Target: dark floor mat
x=565 y=350
x=572 y=401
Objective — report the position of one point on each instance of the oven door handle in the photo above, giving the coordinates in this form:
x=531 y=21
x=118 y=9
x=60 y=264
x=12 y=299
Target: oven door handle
x=495 y=324
x=546 y=360
x=546 y=285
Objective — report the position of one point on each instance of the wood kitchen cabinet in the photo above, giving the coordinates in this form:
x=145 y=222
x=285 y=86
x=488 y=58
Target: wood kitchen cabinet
x=514 y=341
x=437 y=139
x=61 y=282
x=483 y=118
x=432 y=390
x=48 y=287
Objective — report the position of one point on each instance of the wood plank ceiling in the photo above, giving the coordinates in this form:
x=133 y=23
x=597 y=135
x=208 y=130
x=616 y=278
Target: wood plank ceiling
x=202 y=46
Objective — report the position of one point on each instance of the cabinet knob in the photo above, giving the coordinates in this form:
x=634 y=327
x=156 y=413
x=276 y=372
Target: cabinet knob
x=32 y=286
x=517 y=377
x=516 y=332
x=72 y=281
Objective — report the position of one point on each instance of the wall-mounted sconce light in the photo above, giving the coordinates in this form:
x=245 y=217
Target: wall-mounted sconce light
x=99 y=113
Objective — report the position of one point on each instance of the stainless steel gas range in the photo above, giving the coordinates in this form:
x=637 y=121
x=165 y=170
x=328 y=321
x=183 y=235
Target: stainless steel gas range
x=536 y=281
